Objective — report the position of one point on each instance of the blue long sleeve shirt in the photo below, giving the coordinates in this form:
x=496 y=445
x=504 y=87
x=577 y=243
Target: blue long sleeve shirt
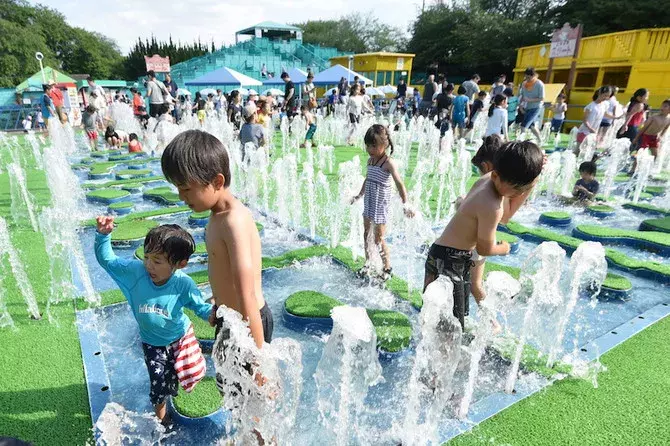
x=159 y=310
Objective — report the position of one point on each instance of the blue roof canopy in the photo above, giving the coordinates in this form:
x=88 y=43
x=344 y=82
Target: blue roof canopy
x=332 y=76
x=225 y=76
x=297 y=76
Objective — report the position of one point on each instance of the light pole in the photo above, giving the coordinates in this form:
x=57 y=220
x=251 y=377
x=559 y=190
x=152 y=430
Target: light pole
x=39 y=56
x=351 y=62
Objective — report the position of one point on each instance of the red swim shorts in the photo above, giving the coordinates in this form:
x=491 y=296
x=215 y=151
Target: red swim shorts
x=92 y=134
x=649 y=141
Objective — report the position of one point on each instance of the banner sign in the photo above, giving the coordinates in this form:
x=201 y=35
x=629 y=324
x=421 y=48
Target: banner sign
x=564 y=41
x=157 y=63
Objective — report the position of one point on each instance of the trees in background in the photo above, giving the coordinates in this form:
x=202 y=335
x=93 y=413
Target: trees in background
x=358 y=33
x=482 y=36
x=26 y=29
x=135 y=67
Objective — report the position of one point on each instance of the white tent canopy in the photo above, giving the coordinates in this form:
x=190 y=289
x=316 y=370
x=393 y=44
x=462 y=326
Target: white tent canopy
x=332 y=76
x=225 y=76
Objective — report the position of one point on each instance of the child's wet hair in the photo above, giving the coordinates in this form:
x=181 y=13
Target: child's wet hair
x=91 y=108
x=172 y=240
x=666 y=102
x=195 y=156
x=462 y=90
x=518 y=163
x=487 y=150
x=132 y=137
x=588 y=167
x=378 y=134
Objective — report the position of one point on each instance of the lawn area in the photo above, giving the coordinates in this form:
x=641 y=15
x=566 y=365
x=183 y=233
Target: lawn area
x=630 y=406
x=43 y=396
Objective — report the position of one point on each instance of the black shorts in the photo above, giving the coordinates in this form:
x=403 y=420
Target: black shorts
x=605 y=124
x=163 y=379
x=354 y=119
x=268 y=328
x=153 y=110
x=454 y=264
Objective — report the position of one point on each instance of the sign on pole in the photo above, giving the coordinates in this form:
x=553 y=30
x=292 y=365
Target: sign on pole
x=564 y=41
x=157 y=63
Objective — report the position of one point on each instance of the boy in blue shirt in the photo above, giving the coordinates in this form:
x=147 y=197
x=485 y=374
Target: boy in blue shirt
x=157 y=292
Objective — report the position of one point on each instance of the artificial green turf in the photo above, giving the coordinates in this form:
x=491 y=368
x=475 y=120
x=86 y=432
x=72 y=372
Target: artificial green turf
x=600 y=208
x=101 y=168
x=615 y=256
x=656 y=224
x=612 y=281
x=647 y=207
x=655 y=190
x=163 y=193
x=393 y=328
x=43 y=396
x=107 y=194
x=310 y=304
x=122 y=182
x=203 y=400
x=506 y=237
x=200 y=215
x=628 y=407
x=131 y=174
x=132 y=230
x=105 y=153
x=659 y=238
x=143 y=215
x=556 y=215
x=120 y=205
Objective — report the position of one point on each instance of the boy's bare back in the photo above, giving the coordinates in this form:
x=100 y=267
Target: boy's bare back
x=234 y=257
x=478 y=215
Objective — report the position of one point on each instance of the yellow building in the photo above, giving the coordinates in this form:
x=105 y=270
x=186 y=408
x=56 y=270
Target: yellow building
x=629 y=60
x=382 y=68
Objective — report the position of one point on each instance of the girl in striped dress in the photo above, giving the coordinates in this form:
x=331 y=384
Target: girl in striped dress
x=377 y=191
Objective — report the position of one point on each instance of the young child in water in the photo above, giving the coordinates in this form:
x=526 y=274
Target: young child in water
x=158 y=291
x=483 y=160
x=377 y=191
x=515 y=168
x=654 y=129
x=197 y=163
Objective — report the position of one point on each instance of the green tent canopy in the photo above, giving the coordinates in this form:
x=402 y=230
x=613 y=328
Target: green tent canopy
x=35 y=81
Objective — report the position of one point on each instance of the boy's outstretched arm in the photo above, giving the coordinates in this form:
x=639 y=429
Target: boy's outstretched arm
x=511 y=205
x=487 y=224
x=236 y=237
x=103 y=248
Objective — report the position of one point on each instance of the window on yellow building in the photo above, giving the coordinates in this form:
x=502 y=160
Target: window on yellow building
x=617 y=76
x=560 y=77
x=586 y=78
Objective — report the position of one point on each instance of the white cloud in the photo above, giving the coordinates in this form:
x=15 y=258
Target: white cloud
x=186 y=20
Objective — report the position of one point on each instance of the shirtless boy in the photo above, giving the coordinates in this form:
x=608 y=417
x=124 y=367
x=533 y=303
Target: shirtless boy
x=516 y=166
x=197 y=163
x=654 y=129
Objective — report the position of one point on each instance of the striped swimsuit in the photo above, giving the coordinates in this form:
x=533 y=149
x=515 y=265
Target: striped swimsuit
x=377 y=192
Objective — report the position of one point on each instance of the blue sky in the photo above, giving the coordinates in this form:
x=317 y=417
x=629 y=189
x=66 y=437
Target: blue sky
x=125 y=20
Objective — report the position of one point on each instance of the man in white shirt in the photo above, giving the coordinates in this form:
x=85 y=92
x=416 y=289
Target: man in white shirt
x=472 y=87
x=155 y=93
